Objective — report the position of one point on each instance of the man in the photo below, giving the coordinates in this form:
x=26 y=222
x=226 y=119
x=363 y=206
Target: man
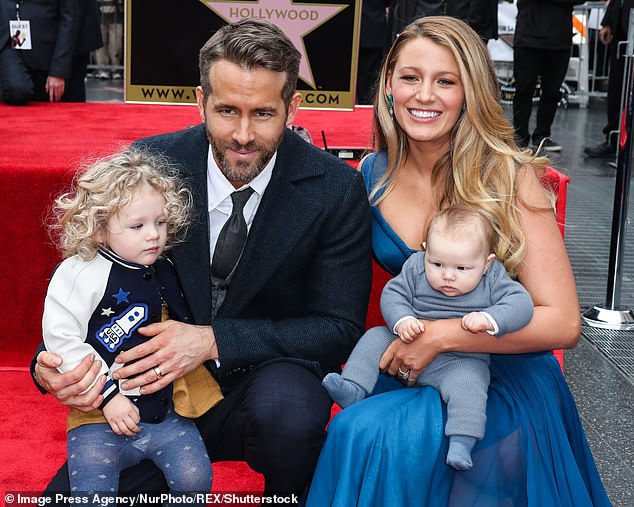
x=541 y=48
x=614 y=27
x=294 y=305
x=42 y=72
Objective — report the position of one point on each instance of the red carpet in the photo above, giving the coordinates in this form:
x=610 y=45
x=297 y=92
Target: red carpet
x=40 y=147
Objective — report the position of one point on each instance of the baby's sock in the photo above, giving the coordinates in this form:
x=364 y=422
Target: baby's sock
x=459 y=454
x=342 y=391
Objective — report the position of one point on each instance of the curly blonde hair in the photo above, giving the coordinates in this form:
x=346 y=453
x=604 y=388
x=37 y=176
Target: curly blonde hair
x=106 y=187
x=481 y=167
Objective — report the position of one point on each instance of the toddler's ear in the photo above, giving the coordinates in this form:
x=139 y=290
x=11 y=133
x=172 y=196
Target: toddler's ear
x=489 y=261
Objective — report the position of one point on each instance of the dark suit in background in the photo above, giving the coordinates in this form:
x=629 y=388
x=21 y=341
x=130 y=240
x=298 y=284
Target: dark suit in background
x=372 y=45
x=54 y=28
x=481 y=15
x=293 y=311
x=88 y=39
x=617 y=17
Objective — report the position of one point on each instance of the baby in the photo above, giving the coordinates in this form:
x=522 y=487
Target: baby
x=456 y=277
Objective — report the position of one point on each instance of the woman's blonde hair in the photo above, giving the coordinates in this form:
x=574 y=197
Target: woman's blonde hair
x=480 y=169
x=106 y=187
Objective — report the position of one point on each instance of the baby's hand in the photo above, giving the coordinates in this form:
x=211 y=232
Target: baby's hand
x=409 y=329
x=122 y=415
x=476 y=322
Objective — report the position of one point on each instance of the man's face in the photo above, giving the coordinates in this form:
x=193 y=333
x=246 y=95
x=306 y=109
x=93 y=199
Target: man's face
x=245 y=118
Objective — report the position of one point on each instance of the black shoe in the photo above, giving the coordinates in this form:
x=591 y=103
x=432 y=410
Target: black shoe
x=604 y=149
x=547 y=144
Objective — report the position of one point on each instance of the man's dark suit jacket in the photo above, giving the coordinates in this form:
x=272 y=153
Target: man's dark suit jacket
x=617 y=16
x=54 y=27
x=301 y=288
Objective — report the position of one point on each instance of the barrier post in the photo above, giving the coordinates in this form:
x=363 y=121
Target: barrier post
x=613 y=315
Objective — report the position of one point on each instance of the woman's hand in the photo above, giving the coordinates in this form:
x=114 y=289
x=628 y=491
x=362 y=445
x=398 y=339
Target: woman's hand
x=417 y=355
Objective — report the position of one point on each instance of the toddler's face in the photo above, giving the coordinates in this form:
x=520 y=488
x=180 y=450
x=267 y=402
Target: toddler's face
x=138 y=233
x=455 y=265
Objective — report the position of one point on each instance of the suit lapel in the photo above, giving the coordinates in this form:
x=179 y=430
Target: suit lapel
x=192 y=256
x=285 y=214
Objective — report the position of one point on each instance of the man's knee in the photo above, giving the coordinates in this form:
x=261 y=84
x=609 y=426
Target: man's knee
x=16 y=95
x=287 y=411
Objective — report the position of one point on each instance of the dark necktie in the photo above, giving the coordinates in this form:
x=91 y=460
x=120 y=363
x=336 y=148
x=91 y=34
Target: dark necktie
x=232 y=237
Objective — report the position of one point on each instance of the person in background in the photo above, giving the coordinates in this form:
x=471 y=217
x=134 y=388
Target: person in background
x=614 y=28
x=442 y=140
x=276 y=270
x=481 y=15
x=110 y=56
x=372 y=43
x=39 y=70
x=541 y=51
x=88 y=40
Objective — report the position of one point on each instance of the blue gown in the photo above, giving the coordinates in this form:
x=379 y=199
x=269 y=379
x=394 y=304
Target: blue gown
x=389 y=450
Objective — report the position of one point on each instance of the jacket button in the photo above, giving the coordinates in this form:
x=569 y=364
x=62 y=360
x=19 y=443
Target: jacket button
x=163 y=401
x=147 y=276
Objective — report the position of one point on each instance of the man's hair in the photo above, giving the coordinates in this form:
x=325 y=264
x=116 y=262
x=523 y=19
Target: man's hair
x=463 y=221
x=251 y=43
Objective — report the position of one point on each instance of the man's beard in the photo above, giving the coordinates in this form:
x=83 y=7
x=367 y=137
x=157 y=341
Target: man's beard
x=243 y=172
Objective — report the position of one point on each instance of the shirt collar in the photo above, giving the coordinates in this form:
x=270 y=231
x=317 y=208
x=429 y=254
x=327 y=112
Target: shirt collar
x=218 y=185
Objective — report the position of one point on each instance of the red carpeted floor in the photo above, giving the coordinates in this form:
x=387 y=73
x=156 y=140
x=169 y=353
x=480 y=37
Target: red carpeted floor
x=40 y=147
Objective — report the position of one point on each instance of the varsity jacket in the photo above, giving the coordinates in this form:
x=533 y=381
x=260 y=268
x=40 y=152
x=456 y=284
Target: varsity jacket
x=97 y=306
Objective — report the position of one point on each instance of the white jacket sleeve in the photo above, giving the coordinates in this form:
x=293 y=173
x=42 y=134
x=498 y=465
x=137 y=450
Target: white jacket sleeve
x=74 y=292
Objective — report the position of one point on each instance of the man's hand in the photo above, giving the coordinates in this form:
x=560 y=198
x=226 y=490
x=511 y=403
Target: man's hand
x=122 y=415
x=175 y=350
x=55 y=88
x=68 y=387
x=409 y=329
x=605 y=35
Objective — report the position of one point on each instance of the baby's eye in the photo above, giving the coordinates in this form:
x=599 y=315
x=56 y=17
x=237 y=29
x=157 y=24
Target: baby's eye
x=437 y=265
x=462 y=268
x=136 y=226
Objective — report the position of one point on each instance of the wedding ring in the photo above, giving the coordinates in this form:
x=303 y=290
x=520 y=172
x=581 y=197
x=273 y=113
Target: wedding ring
x=403 y=375
x=157 y=370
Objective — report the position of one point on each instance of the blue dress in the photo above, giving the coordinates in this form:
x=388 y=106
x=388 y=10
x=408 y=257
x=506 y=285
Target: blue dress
x=389 y=450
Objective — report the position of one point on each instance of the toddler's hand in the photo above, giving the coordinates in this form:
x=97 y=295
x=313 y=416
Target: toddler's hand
x=476 y=322
x=409 y=329
x=122 y=415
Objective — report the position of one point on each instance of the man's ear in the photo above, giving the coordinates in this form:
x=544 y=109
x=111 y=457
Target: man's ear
x=293 y=107
x=200 y=100
x=489 y=261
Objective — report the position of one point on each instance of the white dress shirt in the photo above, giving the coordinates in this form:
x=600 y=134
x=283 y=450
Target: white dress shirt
x=219 y=191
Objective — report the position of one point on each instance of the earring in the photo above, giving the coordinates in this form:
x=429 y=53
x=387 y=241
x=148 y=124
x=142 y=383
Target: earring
x=390 y=102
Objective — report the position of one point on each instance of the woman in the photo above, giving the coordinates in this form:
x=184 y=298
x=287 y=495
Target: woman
x=442 y=140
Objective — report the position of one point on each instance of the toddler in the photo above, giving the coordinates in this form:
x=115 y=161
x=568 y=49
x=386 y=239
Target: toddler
x=123 y=213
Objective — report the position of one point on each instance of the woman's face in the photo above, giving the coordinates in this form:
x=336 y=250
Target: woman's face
x=427 y=91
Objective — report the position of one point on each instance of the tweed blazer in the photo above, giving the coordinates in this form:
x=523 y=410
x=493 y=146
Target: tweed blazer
x=301 y=288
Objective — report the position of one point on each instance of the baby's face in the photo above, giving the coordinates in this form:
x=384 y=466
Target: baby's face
x=138 y=233
x=455 y=265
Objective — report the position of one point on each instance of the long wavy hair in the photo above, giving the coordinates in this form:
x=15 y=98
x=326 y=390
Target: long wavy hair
x=105 y=188
x=480 y=169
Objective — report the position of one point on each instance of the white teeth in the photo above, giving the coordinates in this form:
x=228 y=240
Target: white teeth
x=423 y=114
